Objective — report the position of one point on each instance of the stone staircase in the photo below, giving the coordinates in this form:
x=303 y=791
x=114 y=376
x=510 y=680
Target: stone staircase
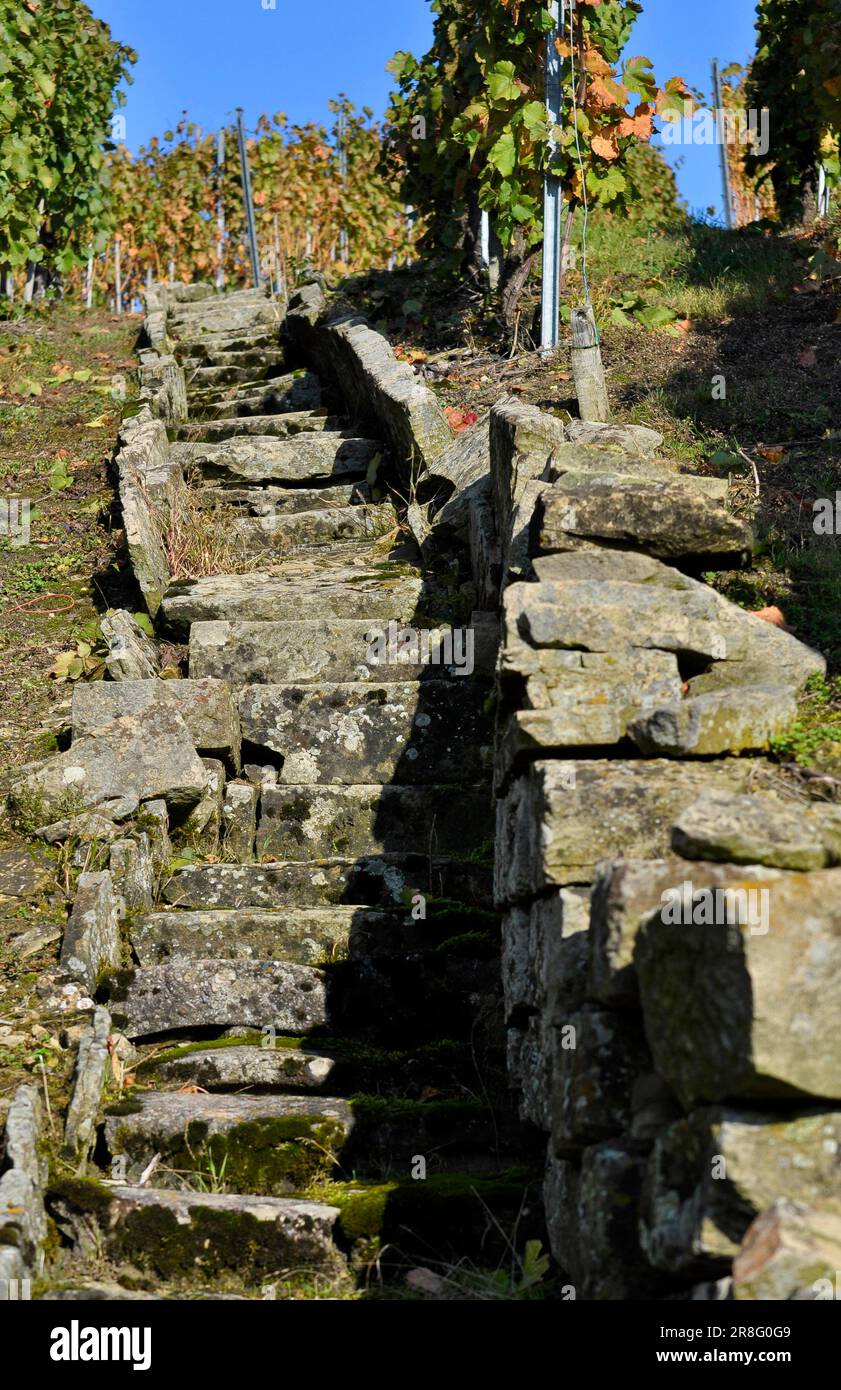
x=314 y=995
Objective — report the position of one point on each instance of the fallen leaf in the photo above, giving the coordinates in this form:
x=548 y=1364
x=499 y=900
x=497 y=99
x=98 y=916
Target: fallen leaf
x=809 y=358
x=773 y=615
x=772 y=455
x=460 y=420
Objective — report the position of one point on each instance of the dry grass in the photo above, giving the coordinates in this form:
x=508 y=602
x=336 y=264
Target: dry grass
x=201 y=540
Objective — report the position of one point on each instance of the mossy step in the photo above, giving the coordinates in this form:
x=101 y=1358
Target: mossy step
x=324 y=649
x=182 y=993
x=276 y=1144
x=303 y=822
x=203 y=1235
x=345 y=1065
x=294 y=392
x=241 y=426
x=282 y=501
x=220 y=359
x=329 y=590
x=268 y=459
x=231 y=340
x=386 y=881
x=439 y=1218
x=306 y=936
x=260 y=535
x=260 y=1144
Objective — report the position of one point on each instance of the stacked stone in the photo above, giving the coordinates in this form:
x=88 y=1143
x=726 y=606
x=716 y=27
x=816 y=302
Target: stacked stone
x=672 y=934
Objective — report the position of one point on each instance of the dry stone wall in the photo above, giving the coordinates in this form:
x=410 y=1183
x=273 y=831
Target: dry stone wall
x=672 y=929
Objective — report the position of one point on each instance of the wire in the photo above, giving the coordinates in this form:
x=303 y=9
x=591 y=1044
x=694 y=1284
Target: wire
x=587 y=299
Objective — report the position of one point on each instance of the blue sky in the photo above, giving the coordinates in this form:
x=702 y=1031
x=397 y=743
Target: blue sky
x=210 y=56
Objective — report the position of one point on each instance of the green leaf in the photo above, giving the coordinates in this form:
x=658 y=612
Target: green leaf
x=503 y=155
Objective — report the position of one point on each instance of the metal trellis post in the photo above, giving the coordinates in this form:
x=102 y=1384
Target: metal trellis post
x=721 y=127
x=343 y=172
x=220 y=211
x=248 y=198
x=552 y=195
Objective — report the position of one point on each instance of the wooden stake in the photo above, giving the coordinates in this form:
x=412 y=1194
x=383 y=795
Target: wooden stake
x=587 y=367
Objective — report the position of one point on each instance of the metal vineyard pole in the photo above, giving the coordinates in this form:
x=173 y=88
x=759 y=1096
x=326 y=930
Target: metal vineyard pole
x=721 y=126
x=552 y=195
x=343 y=173
x=248 y=199
x=118 y=278
x=220 y=212
x=89 y=284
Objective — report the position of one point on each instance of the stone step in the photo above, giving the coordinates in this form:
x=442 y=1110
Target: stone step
x=266 y=367
x=383 y=881
x=305 y=936
x=303 y=822
x=319 y=527
x=204 y=1235
x=406 y=732
x=180 y=994
x=240 y=426
x=270 y=1145
x=348 y=1066
x=283 y=501
x=341 y=593
x=266 y=459
x=276 y=1145
x=322 y=650
x=284 y=394
x=206 y=344
x=244 y=1065
x=218 y=358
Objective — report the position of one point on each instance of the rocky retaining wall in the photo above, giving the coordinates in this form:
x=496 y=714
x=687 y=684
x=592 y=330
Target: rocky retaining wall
x=672 y=929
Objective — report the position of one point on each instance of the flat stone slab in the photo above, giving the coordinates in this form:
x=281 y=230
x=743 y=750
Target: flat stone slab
x=207 y=708
x=307 y=651
x=26 y=875
x=271 y=1142
x=267 y=459
x=741 y=990
x=136 y=758
x=601 y=616
x=259 y=597
x=409 y=732
x=312 y=822
x=267 y=1068
x=203 y=1235
x=691 y=1221
x=283 y=501
x=559 y=820
x=321 y=526
x=759 y=829
x=386 y=881
x=243 y=426
x=306 y=936
x=221 y=994
x=280 y=396
x=91 y=942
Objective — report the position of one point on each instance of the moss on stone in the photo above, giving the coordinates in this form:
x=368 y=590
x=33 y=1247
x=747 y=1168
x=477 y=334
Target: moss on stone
x=85 y=1194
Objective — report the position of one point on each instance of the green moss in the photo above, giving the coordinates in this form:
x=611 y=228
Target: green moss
x=472 y=943
x=817 y=727
x=124 y=1107
x=446 y=1211
x=214 y=1243
x=252 y=1039
x=85 y=1194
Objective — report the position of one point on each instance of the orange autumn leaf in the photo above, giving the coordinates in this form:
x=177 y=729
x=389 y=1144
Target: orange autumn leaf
x=603 y=93
x=460 y=420
x=772 y=455
x=774 y=616
x=605 y=146
x=641 y=124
